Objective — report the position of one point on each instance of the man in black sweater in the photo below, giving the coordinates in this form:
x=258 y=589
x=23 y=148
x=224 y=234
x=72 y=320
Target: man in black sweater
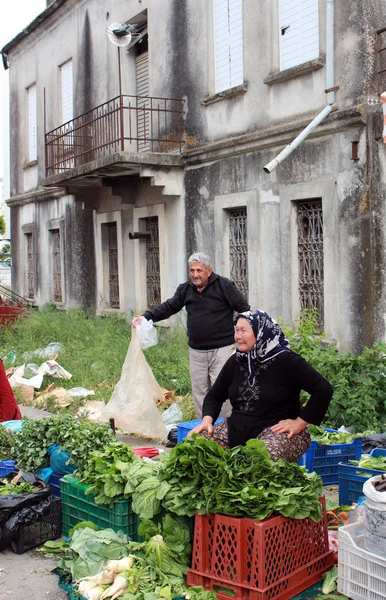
x=210 y=301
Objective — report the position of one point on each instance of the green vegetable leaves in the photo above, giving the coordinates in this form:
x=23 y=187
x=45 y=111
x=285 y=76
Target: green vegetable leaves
x=199 y=475
x=77 y=436
x=104 y=473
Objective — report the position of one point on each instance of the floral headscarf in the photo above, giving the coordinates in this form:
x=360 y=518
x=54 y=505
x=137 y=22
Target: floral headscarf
x=270 y=340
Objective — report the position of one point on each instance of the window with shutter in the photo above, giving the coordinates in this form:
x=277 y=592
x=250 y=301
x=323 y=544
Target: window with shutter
x=66 y=92
x=298 y=32
x=32 y=143
x=228 y=44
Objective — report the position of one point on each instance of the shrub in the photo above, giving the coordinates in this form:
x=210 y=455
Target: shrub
x=359 y=382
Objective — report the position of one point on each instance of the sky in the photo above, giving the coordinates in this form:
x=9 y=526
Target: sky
x=15 y=16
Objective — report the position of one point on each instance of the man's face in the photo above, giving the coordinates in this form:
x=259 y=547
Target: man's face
x=199 y=274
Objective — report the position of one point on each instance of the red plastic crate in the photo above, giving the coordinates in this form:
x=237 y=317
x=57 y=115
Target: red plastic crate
x=259 y=560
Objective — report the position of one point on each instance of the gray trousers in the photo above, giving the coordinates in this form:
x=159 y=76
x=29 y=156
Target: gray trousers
x=204 y=369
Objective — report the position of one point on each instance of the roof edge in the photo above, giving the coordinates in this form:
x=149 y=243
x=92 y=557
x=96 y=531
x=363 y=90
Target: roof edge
x=29 y=29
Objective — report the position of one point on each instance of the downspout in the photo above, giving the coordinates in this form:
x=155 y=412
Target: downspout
x=329 y=90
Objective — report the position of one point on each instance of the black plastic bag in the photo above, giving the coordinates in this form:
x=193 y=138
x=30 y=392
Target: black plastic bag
x=16 y=509
x=373 y=440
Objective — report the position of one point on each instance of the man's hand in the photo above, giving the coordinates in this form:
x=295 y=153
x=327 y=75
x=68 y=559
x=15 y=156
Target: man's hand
x=137 y=321
x=290 y=426
x=206 y=425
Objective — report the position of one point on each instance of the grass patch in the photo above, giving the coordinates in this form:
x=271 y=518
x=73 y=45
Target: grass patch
x=94 y=349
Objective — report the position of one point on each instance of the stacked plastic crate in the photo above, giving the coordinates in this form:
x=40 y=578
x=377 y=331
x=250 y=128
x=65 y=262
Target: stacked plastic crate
x=259 y=560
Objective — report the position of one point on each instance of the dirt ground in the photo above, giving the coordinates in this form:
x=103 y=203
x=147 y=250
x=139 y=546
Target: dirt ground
x=28 y=577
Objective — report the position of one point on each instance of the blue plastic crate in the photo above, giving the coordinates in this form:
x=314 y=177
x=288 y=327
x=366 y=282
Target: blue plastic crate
x=351 y=480
x=7 y=466
x=184 y=428
x=378 y=452
x=324 y=460
x=54 y=484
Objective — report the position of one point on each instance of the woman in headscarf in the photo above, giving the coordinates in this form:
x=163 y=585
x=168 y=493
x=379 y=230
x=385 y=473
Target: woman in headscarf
x=9 y=409
x=263 y=380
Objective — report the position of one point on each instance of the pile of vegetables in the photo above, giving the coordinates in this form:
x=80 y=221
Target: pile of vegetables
x=89 y=550
x=242 y=481
x=326 y=438
x=79 y=436
x=8 y=488
x=371 y=462
x=105 y=564
x=103 y=473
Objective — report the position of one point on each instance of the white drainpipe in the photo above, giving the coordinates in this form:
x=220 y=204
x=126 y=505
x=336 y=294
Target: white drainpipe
x=330 y=95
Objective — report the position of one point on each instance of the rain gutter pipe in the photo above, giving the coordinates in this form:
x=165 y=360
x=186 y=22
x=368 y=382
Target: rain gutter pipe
x=329 y=90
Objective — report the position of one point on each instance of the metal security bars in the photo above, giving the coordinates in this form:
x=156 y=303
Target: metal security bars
x=153 y=281
x=381 y=55
x=56 y=265
x=113 y=265
x=30 y=267
x=125 y=123
x=238 y=248
x=310 y=256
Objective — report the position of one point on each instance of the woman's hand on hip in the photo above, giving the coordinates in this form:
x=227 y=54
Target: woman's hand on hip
x=205 y=425
x=290 y=426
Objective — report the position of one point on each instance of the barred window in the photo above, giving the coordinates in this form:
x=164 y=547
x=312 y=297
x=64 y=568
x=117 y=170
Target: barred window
x=238 y=248
x=56 y=265
x=153 y=280
x=113 y=265
x=310 y=255
x=30 y=266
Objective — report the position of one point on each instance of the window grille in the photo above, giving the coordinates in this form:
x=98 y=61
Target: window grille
x=57 y=265
x=238 y=248
x=30 y=267
x=310 y=255
x=153 y=281
x=381 y=47
x=113 y=265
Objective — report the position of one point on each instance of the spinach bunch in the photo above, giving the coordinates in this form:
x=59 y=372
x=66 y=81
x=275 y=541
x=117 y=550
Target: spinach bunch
x=103 y=472
x=78 y=436
x=199 y=475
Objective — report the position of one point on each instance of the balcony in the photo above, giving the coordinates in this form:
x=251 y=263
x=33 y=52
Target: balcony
x=126 y=124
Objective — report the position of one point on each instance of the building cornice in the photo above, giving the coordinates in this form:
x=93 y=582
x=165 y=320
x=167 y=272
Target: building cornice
x=273 y=137
x=41 y=195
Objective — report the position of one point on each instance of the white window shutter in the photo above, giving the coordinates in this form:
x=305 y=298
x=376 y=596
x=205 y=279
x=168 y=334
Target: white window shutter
x=228 y=43
x=67 y=96
x=298 y=32
x=32 y=121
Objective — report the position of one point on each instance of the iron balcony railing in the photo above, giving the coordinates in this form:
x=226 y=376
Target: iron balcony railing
x=125 y=123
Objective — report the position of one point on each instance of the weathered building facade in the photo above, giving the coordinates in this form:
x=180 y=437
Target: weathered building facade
x=123 y=162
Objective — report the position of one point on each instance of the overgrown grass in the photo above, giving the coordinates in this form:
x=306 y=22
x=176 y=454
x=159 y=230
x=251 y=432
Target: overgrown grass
x=94 y=349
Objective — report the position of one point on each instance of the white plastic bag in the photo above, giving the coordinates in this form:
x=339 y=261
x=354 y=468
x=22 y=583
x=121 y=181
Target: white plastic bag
x=147 y=334
x=375 y=518
x=80 y=392
x=172 y=415
x=133 y=402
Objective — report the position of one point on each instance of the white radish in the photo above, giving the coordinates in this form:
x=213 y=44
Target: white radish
x=118 y=588
x=120 y=565
x=102 y=578
x=85 y=586
x=95 y=593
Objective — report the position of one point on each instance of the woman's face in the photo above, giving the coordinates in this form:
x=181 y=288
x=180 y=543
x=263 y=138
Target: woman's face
x=244 y=336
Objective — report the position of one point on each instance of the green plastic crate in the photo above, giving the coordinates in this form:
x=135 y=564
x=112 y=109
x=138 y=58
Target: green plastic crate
x=78 y=506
